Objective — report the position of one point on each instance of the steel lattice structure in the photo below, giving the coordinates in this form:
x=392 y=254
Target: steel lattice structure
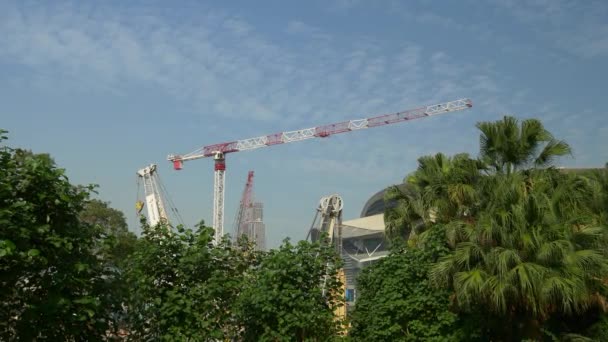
x=245 y=210
x=218 y=151
x=152 y=192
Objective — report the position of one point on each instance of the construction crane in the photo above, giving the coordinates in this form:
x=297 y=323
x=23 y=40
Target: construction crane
x=154 y=192
x=244 y=213
x=328 y=220
x=249 y=217
x=218 y=151
x=328 y=223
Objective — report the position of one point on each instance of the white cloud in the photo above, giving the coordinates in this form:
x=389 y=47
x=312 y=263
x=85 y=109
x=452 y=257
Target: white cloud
x=238 y=26
x=576 y=27
x=430 y=18
x=342 y=5
x=591 y=41
x=223 y=64
x=554 y=21
x=308 y=31
x=188 y=62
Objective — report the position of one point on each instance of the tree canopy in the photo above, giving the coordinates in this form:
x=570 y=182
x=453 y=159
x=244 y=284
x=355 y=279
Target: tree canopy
x=53 y=285
x=398 y=302
x=527 y=241
x=112 y=225
x=186 y=288
x=503 y=246
x=292 y=295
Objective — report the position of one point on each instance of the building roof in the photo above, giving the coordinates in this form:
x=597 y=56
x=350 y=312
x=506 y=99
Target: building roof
x=581 y=171
x=376 y=205
x=363 y=226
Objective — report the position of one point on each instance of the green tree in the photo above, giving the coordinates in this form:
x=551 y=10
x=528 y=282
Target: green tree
x=528 y=242
x=599 y=196
x=53 y=287
x=120 y=242
x=291 y=295
x=97 y=212
x=440 y=190
x=508 y=145
x=397 y=302
x=525 y=256
x=182 y=287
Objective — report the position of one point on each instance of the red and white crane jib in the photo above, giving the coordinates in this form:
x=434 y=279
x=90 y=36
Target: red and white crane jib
x=320 y=131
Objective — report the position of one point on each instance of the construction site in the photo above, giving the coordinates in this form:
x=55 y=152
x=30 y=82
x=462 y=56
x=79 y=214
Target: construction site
x=359 y=241
x=337 y=170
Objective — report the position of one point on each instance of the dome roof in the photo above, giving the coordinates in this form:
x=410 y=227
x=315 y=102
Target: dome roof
x=375 y=204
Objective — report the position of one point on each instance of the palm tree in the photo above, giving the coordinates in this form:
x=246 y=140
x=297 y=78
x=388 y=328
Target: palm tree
x=507 y=146
x=599 y=197
x=441 y=189
x=403 y=218
x=524 y=238
x=530 y=253
x=450 y=190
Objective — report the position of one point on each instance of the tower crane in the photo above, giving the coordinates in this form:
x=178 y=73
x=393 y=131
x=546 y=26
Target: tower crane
x=249 y=217
x=154 y=192
x=218 y=151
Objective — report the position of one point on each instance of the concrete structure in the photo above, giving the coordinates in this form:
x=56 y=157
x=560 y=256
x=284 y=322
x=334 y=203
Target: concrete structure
x=257 y=227
x=364 y=241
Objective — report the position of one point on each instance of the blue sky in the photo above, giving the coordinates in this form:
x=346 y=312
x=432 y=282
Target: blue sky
x=108 y=87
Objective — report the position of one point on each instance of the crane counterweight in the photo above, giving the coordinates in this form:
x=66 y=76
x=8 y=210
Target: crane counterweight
x=178 y=164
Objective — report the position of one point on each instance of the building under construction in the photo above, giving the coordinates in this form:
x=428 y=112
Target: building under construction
x=254 y=228
x=249 y=220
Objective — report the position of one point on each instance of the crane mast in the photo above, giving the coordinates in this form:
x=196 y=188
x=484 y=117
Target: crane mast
x=218 y=195
x=218 y=151
x=154 y=201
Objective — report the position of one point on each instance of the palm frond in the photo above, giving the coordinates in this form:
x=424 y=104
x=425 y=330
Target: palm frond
x=442 y=271
x=505 y=260
x=469 y=286
x=466 y=255
x=554 y=148
x=553 y=252
x=525 y=276
x=561 y=292
x=500 y=293
x=589 y=236
x=587 y=260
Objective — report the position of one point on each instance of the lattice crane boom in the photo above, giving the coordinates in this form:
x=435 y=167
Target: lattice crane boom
x=319 y=131
x=218 y=151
